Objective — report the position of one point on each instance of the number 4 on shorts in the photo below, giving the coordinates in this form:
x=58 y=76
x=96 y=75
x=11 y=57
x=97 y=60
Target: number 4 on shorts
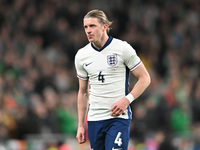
x=118 y=140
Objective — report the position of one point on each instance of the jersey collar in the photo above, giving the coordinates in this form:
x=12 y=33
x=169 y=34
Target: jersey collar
x=105 y=45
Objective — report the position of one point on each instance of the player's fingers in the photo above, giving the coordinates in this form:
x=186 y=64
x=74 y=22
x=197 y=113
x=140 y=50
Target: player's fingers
x=81 y=138
x=113 y=108
x=119 y=112
x=116 y=112
x=82 y=141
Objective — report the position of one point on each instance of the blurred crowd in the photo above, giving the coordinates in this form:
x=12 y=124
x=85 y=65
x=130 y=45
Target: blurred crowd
x=38 y=83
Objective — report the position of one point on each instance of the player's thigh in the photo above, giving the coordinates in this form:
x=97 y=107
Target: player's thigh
x=96 y=136
x=118 y=135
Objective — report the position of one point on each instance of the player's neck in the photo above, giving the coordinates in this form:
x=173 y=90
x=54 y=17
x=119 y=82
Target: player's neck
x=101 y=42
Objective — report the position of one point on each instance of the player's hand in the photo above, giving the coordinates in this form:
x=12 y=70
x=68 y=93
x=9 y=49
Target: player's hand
x=81 y=135
x=119 y=107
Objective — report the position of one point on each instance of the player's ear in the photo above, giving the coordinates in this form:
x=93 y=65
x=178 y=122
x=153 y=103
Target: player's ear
x=105 y=27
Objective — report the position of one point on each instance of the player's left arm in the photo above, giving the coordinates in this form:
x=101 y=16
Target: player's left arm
x=143 y=82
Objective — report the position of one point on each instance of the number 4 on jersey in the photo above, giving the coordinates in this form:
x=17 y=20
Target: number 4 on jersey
x=101 y=77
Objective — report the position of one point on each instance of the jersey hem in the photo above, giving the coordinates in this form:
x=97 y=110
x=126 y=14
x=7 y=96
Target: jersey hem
x=106 y=118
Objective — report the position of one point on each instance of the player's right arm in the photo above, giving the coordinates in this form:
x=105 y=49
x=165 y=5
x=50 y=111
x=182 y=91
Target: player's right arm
x=82 y=105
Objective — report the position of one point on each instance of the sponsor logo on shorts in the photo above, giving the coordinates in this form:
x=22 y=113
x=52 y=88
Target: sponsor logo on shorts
x=116 y=148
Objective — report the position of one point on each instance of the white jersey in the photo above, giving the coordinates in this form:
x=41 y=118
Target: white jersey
x=107 y=70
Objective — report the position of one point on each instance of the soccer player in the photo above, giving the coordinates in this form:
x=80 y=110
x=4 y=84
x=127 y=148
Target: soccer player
x=103 y=68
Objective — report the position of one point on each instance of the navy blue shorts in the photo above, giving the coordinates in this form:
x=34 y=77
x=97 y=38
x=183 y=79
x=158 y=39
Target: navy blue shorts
x=111 y=134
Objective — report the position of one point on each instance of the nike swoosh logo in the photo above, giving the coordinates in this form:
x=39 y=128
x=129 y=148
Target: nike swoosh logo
x=116 y=148
x=88 y=64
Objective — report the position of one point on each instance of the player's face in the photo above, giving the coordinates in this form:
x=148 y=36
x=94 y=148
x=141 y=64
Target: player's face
x=93 y=29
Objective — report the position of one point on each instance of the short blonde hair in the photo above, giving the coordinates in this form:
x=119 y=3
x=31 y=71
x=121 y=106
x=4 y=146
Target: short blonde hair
x=101 y=16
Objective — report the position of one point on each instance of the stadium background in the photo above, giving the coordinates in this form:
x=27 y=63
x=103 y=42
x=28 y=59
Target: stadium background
x=38 y=84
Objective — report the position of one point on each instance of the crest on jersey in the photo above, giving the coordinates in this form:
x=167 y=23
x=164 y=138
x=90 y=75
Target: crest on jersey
x=112 y=60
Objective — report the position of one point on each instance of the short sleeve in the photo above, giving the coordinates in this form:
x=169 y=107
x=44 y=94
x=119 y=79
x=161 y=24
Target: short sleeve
x=81 y=72
x=131 y=59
